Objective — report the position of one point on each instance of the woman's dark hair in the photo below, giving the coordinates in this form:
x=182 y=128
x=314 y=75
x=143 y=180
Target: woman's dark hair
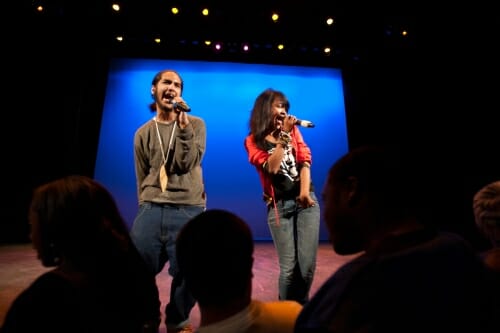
x=261 y=118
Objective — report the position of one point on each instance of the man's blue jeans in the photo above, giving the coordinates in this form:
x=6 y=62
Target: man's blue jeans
x=296 y=240
x=154 y=232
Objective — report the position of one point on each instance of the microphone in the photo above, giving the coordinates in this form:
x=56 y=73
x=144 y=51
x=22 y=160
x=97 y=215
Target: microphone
x=181 y=106
x=304 y=123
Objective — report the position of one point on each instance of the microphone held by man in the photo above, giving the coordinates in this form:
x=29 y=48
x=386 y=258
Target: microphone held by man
x=181 y=106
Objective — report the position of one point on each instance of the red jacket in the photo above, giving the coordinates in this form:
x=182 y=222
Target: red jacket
x=258 y=157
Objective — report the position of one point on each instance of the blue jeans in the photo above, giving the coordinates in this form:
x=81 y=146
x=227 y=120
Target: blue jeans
x=296 y=239
x=154 y=232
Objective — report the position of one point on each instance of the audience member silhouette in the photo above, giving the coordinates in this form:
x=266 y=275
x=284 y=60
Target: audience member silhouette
x=486 y=206
x=408 y=276
x=100 y=283
x=215 y=255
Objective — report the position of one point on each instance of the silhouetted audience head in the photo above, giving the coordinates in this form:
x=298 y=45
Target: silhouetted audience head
x=75 y=218
x=215 y=255
x=99 y=282
x=370 y=191
x=408 y=276
x=486 y=206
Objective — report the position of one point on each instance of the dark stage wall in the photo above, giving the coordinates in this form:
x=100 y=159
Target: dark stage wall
x=56 y=95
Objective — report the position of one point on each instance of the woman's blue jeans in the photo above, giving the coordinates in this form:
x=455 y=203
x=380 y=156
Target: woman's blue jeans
x=154 y=232
x=296 y=240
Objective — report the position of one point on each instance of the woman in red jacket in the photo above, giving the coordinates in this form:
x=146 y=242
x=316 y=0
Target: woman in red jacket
x=283 y=160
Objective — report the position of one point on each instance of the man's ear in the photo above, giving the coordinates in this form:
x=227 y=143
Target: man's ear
x=353 y=189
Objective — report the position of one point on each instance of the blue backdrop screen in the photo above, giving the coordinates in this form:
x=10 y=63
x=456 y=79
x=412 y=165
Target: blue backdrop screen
x=222 y=93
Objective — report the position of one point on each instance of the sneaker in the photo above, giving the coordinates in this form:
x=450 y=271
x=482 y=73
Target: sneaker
x=186 y=329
